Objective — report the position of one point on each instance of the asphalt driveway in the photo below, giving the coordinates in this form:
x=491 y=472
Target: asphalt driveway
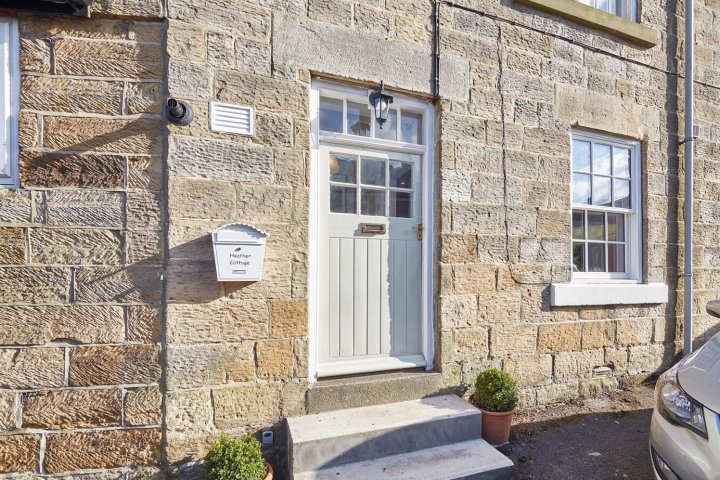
x=591 y=439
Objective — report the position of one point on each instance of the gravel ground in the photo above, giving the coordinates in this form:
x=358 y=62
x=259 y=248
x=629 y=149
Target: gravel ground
x=590 y=439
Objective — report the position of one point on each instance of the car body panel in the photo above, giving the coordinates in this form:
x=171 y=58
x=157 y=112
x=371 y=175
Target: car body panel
x=699 y=374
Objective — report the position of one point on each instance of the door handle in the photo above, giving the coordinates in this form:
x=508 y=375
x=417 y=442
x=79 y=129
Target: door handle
x=373 y=228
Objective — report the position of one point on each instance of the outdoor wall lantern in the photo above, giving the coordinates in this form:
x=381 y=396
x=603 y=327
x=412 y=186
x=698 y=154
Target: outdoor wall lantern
x=179 y=112
x=380 y=102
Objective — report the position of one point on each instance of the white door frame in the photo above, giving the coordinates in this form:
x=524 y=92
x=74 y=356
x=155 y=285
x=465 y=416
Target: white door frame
x=428 y=163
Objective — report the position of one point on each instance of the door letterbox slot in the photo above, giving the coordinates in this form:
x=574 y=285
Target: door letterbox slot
x=373 y=228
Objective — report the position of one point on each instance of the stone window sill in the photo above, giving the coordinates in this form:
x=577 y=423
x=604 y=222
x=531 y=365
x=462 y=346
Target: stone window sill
x=578 y=294
x=599 y=20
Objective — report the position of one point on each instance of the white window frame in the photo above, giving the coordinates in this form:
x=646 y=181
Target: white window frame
x=9 y=101
x=627 y=9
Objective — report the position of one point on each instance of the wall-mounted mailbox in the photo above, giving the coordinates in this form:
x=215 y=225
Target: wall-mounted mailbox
x=239 y=252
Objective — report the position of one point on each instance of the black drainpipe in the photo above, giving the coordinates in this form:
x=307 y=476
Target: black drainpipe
x=436 y=50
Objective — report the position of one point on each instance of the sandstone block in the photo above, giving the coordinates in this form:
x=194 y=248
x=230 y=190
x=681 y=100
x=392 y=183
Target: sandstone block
x=530 y=371
x=478 y=219
x=144 y=324
x=459 y=311
x=201 y=199
x=12 y=246
x=219 y=322
x=66 y=452
x=145 y=97
x=477 y=279
x=75 y=247
x=111 y=365
x=462 y=128
x=34 y=55
x=189 y=412
x=108 y=59
x=82 y=324
x=513 y=340
x=598 y=335
x=143 y=406
x=262 y=92
x=144 y=246
x=145 y=173
x=132 y=284
x=293 y=398
x=471 y=344
x=636 y=331
x=203 y=365
x=275 y=360
x=8 y=411
x=223 y=160
x=182 y=41
x=94 y=208
x=32 y=368
x=28 y=130
x=15 y=206
x=273 y=130
x=455 y=186
x=255 y=21
x=557 y=393
x=525 y=273
x=271 y=204
x=253 y=57
x=276 y=284
x=144 y=210
x=34 y=284
x=43 y=26
x=43 y=169
x=194 y=282
x=138 y=135
x=20 y=454
x=71 y=409
x=301 y=350
x=289 y=318
x=242 y=407
x=648 y=358
x=559 y=337
x=458 y=248
x=58 y=94
x=189 y=80
x=337 y=12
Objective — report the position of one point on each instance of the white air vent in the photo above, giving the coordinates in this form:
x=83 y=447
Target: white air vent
x=229 y=118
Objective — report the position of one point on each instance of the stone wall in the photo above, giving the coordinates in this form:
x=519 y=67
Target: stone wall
x=81 y=250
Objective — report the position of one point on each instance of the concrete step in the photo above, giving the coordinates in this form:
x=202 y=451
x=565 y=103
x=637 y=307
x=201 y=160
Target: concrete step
x=366 y=390
x=359 y=434
x=471 y=460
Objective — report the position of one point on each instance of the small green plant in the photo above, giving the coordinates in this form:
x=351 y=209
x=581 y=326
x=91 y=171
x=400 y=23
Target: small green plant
x=235 y=459
x=495 y=391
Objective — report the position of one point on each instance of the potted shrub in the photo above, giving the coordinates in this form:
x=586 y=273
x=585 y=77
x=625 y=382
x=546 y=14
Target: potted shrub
x=237 y=459
x=496 y=394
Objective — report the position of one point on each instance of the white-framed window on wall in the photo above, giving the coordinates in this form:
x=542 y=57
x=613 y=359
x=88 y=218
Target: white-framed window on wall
x=9 y=102
x=606 y=218
x=627 y=9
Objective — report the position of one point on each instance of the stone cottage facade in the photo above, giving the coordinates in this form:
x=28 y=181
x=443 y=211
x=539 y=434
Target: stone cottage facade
x=122 y=356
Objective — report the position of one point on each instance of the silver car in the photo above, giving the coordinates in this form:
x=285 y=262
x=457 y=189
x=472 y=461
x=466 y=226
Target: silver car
x=685 y=428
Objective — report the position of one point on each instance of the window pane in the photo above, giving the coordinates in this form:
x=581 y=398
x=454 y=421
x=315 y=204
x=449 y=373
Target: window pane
x=578 y=219
x=331 y=114
x=401 y=204
x=596 y=257
x=616 y=227
x=601 y=159
x=343 y=200
x=411 y=128
x=358 y=119
x=581 y=156
x=621 y=162
x=400 y=174
x=342 y=168
x=621 y=193
x=372 y=202
x=578 y=257
x=596 y=226
x=603 y=5
x=389 y=130
x=616 y=257
x=581 y=189
x=372 y=172
x=601 y=191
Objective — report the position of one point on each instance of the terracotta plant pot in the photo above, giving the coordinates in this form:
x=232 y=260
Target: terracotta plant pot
x=270 y=472
x=496 y=426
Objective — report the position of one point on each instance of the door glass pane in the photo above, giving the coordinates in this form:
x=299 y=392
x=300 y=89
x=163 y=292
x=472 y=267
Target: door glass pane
x=596 y=257
x=401 y=204
x=389 y=130
x=596 y=226
x=331 y=114
x=616 y=257
x=372 y=202
x=581 y=189
x=343 y=200
x=578 y=257
x=411 y=128
x=621 y=162
x=581 y=156
x=358 y=119
x=578 y=219
x=601 y=159
x=621 y=193
x=372 y=172
x=400 y=174
x=601 y=191
x=616 y=227
x=342 y=168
